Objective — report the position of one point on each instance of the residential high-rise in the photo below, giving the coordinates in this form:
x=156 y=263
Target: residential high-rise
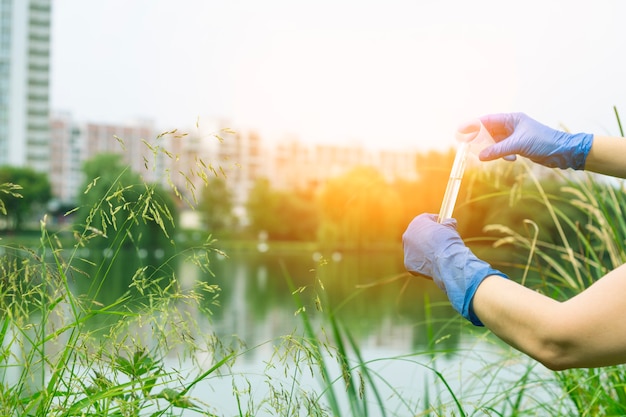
x=130 y=139
x=242 y=158
x=24 y=83
x=73 y=143
x=66 y=158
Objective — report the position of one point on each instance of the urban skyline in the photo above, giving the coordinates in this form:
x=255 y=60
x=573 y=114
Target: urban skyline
x=240 y=157
x=52 y=141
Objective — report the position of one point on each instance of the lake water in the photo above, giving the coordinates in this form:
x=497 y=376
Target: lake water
x=404 y=327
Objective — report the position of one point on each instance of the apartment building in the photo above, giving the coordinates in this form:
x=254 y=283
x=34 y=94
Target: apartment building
x=24 y=83
x=295 y=165
x=74 y=142
x=192 y=158
x=132 y=140
x=395 y=165
x=242 y=157
x=291 y=163
x=66 y=157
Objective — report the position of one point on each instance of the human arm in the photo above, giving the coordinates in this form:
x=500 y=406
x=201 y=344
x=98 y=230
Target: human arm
x=583 y=332
x=606 y=156
x=518 y=134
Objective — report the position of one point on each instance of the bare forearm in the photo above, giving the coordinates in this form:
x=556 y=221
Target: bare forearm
x=607 y=156
x=585 y=331
x=516 y=315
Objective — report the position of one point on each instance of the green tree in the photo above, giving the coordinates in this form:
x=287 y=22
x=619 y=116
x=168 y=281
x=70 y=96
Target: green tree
x=360 y=208
x=284 y=215
x=300 y=215
x=261 y=207
x=35 y=192
x=116 y=199
x=216 y=207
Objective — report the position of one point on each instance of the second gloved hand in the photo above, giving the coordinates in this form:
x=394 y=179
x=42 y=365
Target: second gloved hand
x=518 y=134
x=437 y=251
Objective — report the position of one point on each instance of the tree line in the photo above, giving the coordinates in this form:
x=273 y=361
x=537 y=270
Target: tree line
x=359 y=208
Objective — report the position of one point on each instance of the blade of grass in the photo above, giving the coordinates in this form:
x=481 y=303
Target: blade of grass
x=358 y=407
x=366 y=373
x=312 y=338
x=619 y=122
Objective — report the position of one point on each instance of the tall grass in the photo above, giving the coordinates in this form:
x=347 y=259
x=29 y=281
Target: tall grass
x=581 y=253
x=64 y=353
x=476 y=378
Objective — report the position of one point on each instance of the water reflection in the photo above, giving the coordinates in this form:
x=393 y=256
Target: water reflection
x=105 y=274
x=390 y=314
x=369 y=292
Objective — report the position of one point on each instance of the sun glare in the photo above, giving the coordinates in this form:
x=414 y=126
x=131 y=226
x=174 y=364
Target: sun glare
x=381 y=91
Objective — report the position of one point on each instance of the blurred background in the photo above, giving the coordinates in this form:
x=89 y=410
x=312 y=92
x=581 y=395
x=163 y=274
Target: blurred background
x=304 y=136
x=306 y=91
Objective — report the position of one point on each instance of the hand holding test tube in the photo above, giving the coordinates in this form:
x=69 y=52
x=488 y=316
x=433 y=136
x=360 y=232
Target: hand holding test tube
x=474 y=138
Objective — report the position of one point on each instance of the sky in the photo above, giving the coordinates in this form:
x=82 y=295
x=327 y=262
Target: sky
x=393 y=74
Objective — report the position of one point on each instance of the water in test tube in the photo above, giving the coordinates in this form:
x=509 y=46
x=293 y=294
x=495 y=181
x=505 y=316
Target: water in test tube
x=473 y=137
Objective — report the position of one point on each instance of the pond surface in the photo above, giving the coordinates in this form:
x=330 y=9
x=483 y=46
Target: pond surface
x=404 y=327
x=417 y=347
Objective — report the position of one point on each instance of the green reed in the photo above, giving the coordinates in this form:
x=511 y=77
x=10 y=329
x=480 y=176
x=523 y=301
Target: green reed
x=353 y=385
x=64 y=353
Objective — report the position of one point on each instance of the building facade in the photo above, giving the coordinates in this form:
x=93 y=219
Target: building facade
x=296 y=166
x=24 y=83
x=242 y=160
x=133 y=140
x=66 y=158
x=188 y=161
x=72 y=143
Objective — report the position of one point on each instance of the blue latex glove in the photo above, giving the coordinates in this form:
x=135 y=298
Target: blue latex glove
x=437 y=251
x=516 y=133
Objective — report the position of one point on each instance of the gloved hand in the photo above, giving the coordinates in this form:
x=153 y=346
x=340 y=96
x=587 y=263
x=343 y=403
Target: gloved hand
x=437 y=251
x=516 y=133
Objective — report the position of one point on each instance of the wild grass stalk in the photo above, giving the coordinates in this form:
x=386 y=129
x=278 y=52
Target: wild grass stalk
x=353 y=385
x=47 y=340
x=65 y=353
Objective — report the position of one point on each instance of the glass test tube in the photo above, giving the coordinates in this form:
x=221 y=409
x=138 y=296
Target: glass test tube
x=454 y=182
